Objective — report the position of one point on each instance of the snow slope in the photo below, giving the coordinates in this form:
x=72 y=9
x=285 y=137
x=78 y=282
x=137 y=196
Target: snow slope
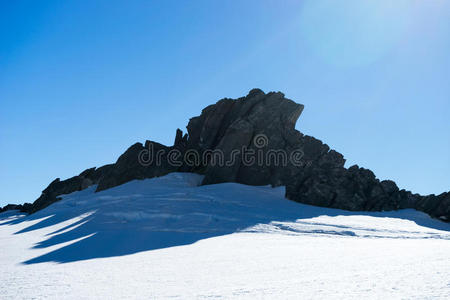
x=169 y=238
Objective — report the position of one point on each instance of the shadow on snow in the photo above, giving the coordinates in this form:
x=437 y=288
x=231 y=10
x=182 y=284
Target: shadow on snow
x=165 y=212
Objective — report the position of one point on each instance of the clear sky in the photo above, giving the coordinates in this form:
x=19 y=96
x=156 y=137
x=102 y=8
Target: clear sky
x=80 y=81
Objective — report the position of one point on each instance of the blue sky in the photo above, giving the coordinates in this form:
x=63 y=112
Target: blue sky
x=80 y=81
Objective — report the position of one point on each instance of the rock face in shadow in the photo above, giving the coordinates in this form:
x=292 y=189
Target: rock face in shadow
x=138 y=162
x=252 y=140
x=57 y=187
x=257 y=124
x=13 y=207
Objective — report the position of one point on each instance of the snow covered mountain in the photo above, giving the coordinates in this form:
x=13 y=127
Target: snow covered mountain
x=168 y=237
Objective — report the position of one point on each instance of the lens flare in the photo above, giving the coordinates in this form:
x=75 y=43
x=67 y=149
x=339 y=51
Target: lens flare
x=354 y=33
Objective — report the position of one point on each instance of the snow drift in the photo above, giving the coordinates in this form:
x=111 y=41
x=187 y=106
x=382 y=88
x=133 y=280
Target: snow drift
x=170 y=237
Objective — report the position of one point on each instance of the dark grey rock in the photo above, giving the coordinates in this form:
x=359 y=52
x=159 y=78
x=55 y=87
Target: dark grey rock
x=57 y=187
x=262 y=124
x=436 y=206
x=11 y=207
x=138 y=162
x=232 y=125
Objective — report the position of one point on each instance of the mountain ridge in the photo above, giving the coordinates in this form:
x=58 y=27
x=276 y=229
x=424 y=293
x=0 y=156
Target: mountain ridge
x=263 y=124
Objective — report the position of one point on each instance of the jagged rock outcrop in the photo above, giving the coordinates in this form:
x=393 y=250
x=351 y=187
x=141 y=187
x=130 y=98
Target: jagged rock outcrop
x=258 y=123
x=11 y=207
x=351 y=189
x=138 y=162
x=57 y=187
x=252 y=140
x=262 y=125
x=435 y=206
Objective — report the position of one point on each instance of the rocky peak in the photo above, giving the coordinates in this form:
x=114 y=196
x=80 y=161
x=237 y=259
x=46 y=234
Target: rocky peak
x=264 y=126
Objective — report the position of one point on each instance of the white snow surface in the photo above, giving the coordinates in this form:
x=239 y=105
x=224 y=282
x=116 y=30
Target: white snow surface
x=168 y=238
